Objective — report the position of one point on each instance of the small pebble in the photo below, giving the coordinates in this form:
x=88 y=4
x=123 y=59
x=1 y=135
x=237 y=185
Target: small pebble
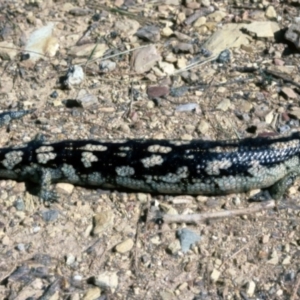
x=107 y=66
x=107 y=280
x=125 y=246
x=187 y=107
x=236 y=201
x=50 y=215
x=36 y=229
x=19 y=204
x=205 y=52
x=70 y=259
x=103 y=221
x=96 y=17
x=92 y=293
x=21 y=247
x=54 y=94
x=215 y=275
x=179 y=91
x=74 y=76
x=77 y=277
x=157 y=91
x=284 y=129
x=174 y=247
x=251 y=288
x=224 y=57
x=149 y=33
x=187 y=238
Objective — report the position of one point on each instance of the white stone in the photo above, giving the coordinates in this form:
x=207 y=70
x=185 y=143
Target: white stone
x=251 y=288
x=125 y=246
x=205 y=3
x=107 y=280
x=201 y=21
x=166 y=31
x=215 y=275
x=167 y=68
x=271 y=12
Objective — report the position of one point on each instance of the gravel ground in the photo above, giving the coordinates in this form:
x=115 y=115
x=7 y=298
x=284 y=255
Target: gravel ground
x=147 y=69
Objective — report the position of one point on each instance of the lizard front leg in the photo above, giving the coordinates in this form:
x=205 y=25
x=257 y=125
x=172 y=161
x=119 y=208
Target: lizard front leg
x=46 y=194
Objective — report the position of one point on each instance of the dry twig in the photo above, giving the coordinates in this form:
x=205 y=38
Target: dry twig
x=197 y=218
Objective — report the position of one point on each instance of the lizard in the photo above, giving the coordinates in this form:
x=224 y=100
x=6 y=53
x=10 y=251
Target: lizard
x=196 y=167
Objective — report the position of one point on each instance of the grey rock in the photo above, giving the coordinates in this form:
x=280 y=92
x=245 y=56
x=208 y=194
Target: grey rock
x=187 y=238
